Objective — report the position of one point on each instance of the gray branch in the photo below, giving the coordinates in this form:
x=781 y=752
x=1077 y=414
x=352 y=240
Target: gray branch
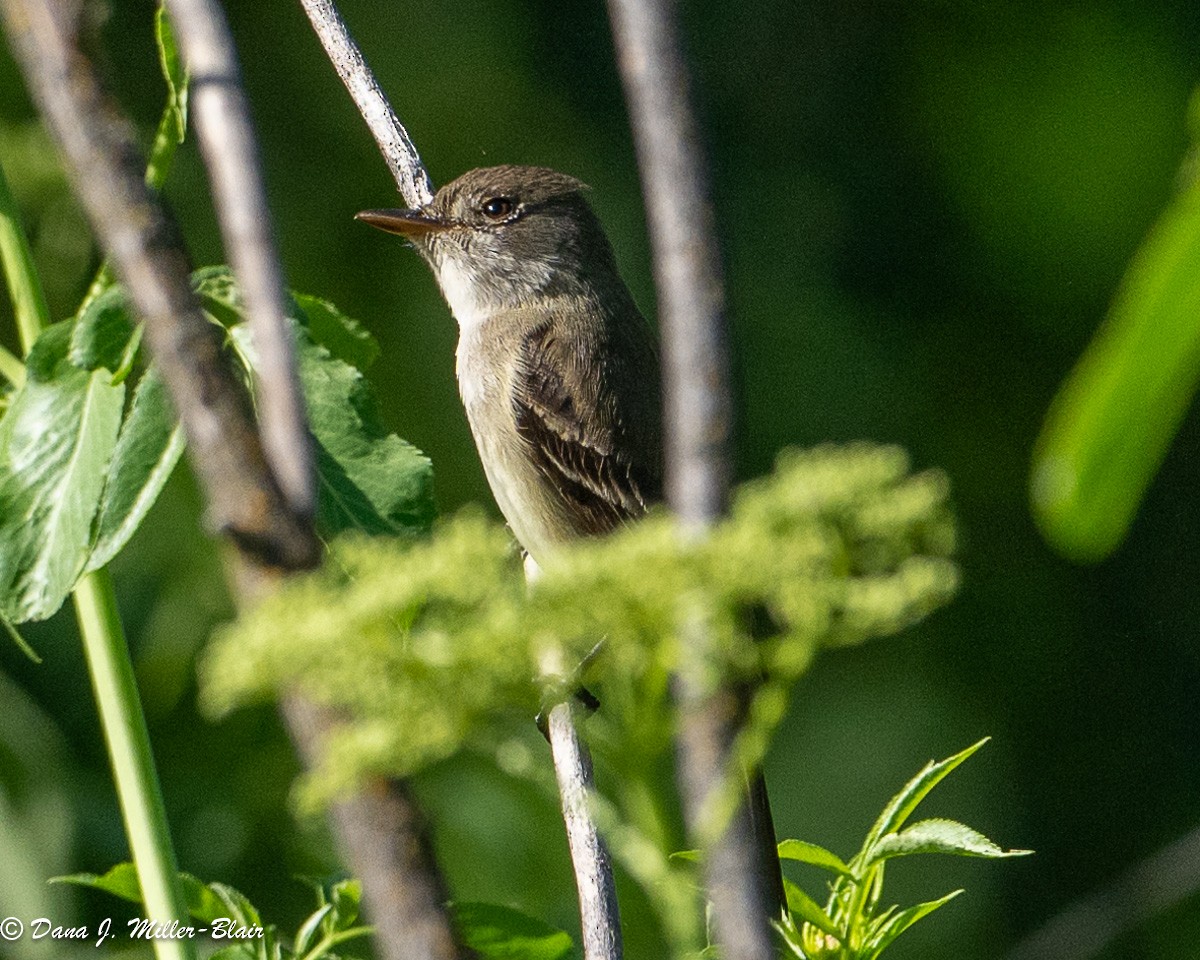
x=697 y=420
x=397 y=147
x=384 y=837
x=222 y=121
x=379 y=827
x=1087 y=927
x=600 y=920
x=107 y=171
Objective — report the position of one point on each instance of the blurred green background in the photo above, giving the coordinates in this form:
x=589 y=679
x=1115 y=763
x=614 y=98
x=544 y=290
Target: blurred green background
x=926 y=209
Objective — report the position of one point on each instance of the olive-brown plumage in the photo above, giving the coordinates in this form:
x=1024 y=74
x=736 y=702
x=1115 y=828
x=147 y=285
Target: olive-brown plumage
x=556 y=365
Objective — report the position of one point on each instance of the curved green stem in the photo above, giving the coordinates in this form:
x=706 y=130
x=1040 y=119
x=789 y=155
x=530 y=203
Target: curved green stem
x=107 y=654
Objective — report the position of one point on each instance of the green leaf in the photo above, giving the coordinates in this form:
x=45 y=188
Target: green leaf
x=502 y=933
x=1113 y=419
x=55 y=444
x=346 y=898
x=804 y=907
x=811 y=853
x=174 y=73
x=219 y=295
x=310 y=927
x=901 y=806
x=102 y=332
x=342 y=336
x=148 y=447
x=883 y=936
x=122 y=881
x=938 y=836
x=233 y=904
x=172 y=126
x=369 y=479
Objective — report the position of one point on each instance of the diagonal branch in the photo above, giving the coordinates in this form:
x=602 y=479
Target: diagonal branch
x=107 y=172
x=397 y=147
x=742 y=871
x=222 y=120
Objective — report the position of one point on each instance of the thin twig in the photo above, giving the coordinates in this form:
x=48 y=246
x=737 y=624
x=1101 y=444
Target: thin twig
x=222 y=120
x=143 y=242
x=397 y=147
x=1087 y=927
x=599 y=918
x=697 y=420
x=595 y=884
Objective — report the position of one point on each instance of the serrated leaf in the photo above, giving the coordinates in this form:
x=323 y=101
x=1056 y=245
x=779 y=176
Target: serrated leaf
x=883 y=936
x=55 y=444
x=502 y=933
x=344 y=337
x=148 y=447
x=102 y=332
x=810 y=853
x=901 y=806
x=805 y=908
x=122 y=881
x=368 y=479
x=938 y=836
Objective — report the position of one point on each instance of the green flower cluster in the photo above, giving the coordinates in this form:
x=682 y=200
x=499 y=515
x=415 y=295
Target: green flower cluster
x=425 y=646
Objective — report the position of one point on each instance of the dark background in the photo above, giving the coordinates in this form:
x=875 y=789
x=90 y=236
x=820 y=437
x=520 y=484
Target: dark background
x=926 y=208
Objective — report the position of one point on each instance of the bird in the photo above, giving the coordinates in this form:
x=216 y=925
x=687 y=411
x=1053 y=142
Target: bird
x=556 y=366
x=557 y=369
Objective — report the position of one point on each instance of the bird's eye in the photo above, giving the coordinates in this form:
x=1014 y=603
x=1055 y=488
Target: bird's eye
x=497 y=208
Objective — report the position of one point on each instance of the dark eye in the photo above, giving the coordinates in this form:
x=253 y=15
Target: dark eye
x=497 y=208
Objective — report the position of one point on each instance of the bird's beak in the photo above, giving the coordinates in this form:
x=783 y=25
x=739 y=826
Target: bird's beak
x=407 y=223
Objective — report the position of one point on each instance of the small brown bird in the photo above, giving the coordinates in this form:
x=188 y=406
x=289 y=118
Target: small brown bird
x=556 y=365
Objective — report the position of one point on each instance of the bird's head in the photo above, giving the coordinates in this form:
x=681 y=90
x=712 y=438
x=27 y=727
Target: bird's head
x=501 y=237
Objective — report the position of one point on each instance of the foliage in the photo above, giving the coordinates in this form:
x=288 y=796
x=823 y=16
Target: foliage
x=492 y=931
x=432 y=647
x=80 y=468
x=1113 y=419
x=428 y=645
x=852 y=925
x=229 y=915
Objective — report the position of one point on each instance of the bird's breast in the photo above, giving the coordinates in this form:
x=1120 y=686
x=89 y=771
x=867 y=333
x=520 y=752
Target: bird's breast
x=485 y=360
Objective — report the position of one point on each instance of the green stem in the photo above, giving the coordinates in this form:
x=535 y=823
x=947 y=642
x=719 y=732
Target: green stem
x=107 y=655
x=24 y=286
x=11 y=367
x=129 y=750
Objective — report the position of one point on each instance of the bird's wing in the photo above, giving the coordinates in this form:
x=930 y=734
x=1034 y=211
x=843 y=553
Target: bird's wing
x=602 y=475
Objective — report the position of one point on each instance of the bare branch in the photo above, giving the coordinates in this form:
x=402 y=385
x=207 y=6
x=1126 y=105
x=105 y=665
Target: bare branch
x=599 y=918
x=384 y=836
x=107 y=171
x=1087 y=927
x=397 y=147
x=741 y=877
x=687 y=262
x=222 y=120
